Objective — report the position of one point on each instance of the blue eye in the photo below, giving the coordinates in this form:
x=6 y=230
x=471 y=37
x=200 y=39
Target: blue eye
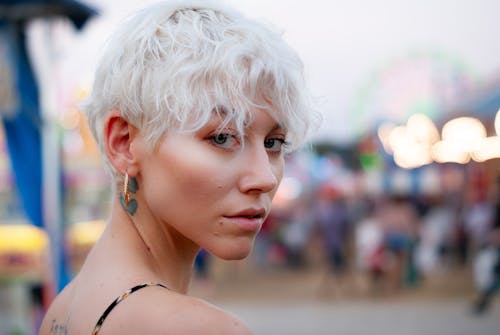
x=220 y=139
x=225 y=141
x=274 y=144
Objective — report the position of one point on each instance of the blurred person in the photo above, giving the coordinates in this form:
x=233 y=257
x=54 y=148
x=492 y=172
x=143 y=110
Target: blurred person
x=296 y=234
x=399 y=222
x=193 y=108
x=488 y=278
x=487 y=272
x=370 y=254
x=436 y=236
x=333 y=226
x=477 y=216
x=264 y=242
x=461 y=240
x=269 y=249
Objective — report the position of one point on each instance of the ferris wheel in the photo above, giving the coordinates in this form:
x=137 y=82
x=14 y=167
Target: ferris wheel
x=427 y=83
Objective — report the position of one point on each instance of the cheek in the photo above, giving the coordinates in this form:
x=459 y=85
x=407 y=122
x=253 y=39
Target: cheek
x=190 y=179
x=198 y=175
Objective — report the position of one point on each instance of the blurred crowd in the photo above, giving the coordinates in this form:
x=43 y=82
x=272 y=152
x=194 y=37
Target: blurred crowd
x=393 y=240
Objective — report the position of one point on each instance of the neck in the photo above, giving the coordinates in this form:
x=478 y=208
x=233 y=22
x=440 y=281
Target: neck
x=159 y=251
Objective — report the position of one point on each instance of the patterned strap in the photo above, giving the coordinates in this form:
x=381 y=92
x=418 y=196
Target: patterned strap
x=122 y=297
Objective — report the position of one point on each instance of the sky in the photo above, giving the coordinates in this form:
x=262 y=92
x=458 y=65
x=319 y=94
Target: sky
x=365 y=61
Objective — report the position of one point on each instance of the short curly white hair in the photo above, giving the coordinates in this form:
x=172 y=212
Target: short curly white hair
x=169 y=66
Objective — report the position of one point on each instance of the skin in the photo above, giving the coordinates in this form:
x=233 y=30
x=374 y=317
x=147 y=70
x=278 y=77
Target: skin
x=204 y=189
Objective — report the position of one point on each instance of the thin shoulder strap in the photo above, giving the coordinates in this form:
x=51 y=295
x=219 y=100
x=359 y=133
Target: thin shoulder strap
x=122 y=297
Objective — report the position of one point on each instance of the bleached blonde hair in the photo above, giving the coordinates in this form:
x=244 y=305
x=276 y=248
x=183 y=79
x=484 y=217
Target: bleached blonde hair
x=169 y=66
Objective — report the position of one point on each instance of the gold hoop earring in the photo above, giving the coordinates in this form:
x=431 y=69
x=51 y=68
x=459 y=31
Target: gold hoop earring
x=126 y=194
x=130 y=185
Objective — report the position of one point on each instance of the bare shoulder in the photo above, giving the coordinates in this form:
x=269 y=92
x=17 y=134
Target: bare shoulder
x=54 y=321
x=158 y=311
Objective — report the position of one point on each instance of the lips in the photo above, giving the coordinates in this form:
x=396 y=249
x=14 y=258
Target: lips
x=250 y=219
x=250 y=213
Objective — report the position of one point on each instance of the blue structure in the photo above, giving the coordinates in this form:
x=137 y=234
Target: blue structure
x=22 y=119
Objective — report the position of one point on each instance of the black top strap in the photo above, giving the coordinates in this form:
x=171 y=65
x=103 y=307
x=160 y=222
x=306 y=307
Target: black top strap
x=122 y=297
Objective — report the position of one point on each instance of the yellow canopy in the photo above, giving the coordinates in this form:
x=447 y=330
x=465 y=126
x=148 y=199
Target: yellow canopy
x=85 y=233
x=22 y=238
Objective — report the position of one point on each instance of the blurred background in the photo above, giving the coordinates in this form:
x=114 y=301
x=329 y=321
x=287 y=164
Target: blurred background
x=388 y=221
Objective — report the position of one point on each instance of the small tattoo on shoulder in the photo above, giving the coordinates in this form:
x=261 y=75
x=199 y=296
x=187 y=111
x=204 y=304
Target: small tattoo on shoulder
x=57 y=328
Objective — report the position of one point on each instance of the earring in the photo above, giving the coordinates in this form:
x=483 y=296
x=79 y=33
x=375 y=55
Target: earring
x=130 y=185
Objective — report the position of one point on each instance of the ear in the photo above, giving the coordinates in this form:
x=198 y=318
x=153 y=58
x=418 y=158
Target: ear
x=118 y=137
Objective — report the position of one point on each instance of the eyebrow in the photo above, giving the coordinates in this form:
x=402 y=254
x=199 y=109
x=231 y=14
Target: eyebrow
x=221 y=112
x=278 y=126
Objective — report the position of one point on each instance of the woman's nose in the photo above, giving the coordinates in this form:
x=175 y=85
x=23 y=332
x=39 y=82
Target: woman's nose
x=260 y=173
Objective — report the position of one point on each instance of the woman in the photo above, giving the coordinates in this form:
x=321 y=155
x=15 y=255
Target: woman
x=193 y=108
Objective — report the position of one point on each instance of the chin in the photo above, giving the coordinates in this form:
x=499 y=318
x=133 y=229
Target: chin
x=234 y=251
x=237 y=256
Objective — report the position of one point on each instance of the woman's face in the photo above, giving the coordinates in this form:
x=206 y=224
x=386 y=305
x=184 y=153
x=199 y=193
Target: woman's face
x=209 y=189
